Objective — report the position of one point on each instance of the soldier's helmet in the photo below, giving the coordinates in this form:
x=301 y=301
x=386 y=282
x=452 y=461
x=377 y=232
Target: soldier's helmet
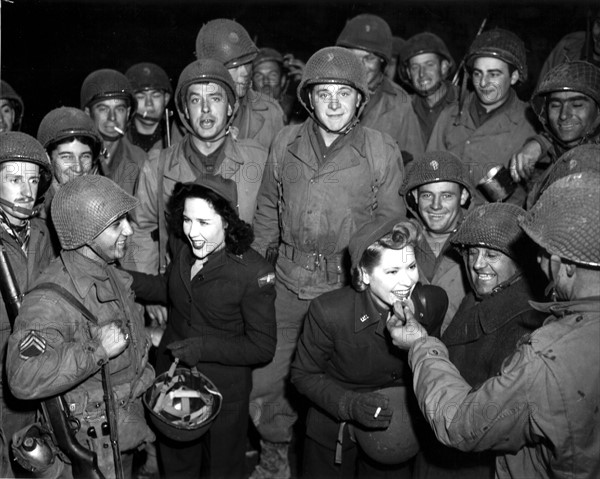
x=105 y=84
x=367 y=32
x=206 y=70
x=425 y=42
x=226 y=41
x=577 y=76
x=333 y=65
x=148 y=76
x=566 y=219
x=67 y=122
x=494 y=226
x=433 y=167
x=84 y=207
x=17 y=146
x=268 y=55
x=501 y=44
x=578 y=159
x=8 y=93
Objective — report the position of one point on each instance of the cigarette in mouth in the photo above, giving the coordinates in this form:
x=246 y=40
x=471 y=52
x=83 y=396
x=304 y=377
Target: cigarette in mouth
x=377 y=411
x=145 y=114
x=118 y=130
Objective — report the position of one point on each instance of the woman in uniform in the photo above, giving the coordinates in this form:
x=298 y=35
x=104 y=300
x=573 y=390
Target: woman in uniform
x=345 y=354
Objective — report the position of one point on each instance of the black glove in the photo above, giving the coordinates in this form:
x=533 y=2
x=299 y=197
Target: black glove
x=187 y=350
x=362 y=409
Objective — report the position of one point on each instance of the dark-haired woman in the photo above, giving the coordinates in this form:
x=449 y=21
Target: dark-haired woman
x=345 y=353
x=221 y=319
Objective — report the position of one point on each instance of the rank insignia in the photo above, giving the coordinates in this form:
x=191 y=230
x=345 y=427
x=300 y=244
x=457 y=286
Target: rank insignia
x=267 y=279
x=32 y=345
x=364 y=318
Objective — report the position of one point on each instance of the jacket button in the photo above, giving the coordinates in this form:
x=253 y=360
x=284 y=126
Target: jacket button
x=395 y=376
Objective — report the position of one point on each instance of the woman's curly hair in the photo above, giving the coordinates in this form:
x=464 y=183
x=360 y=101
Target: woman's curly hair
x=238 y=234
x=405 y=233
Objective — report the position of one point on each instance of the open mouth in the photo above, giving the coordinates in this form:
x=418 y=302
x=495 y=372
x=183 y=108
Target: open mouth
x=401 y=294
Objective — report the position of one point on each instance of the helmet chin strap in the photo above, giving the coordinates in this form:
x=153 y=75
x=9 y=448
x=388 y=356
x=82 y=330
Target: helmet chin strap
x=98 y=252
x=16 y=208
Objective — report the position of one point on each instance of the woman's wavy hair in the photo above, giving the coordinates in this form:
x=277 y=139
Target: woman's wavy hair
x=238 y=234
x=405 y=233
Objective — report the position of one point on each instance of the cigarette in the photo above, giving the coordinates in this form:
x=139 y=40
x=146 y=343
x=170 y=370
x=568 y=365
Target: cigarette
x=118 y=130
x=377 y=411
x=145 y=114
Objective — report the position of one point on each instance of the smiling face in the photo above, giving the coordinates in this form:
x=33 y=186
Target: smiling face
x=372 y=64
x=70 y=160
x=492 y=81
x=426 y=72
x=334 y=104
x=111 y=244
x=394 y=277
x=203 y=227
x=572 y=115
x=440 y=204
x=489 y=268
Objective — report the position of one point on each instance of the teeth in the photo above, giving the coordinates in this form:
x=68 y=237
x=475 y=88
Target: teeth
x=486 y=277
x=401 y=294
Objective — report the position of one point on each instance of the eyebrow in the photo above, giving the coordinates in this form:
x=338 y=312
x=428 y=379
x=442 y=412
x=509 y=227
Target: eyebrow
x=494 y=70
x=572 y=98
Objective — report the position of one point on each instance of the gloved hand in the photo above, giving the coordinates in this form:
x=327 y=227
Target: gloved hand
x=187 y=350
x=362 y=409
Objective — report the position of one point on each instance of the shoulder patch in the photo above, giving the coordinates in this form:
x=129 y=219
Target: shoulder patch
x=267 y=279
x=31 y=345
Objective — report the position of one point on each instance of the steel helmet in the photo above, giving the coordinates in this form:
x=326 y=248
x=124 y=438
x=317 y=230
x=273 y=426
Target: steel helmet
x=105 y=84
x=501 y=44
x=578 y=76
x=85 y=206
x=433 y=167
x=333 y=65
x=225 y=41
x=148 y=76
x=8 y=93
x=398 y=443
x=182 y=405
x=566 y=219
x=425 y=42
x=17 y=146
x=67 y=122
x=206 y=70
x=268 y=55
x=368 y=32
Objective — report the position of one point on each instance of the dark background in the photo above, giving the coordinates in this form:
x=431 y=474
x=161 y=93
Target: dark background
x=49 y=46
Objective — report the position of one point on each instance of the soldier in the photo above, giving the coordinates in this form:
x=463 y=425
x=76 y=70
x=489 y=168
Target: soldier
x=489 y=124
x=427 y=63
x=25 y=174
x=206 y=102
x=11 y=108
x=73 y=145
x=389 y=110
x=567 y=102
x=327 y=177
x=106 y=97
x=259 y=117
x=391 y=70
x=55 y=349
x=276 y=75
x=152 y=91
x=540 y=411
x=438 y=194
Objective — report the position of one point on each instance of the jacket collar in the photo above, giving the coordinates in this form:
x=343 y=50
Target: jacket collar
x=366 y=314
x=512 y=112
x=563 y=308
x=86 y=273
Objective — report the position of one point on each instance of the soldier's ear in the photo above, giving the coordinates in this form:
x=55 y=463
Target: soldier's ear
x=229 y=110
x=167 y=98
x=514 y=77
x=464 y=196
x=358 y=99
x=444 y=68
x=87 y=111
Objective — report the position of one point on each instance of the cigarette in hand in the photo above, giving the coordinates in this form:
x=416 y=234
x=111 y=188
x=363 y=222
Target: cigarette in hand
x=118 y=130
x=377 y=411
